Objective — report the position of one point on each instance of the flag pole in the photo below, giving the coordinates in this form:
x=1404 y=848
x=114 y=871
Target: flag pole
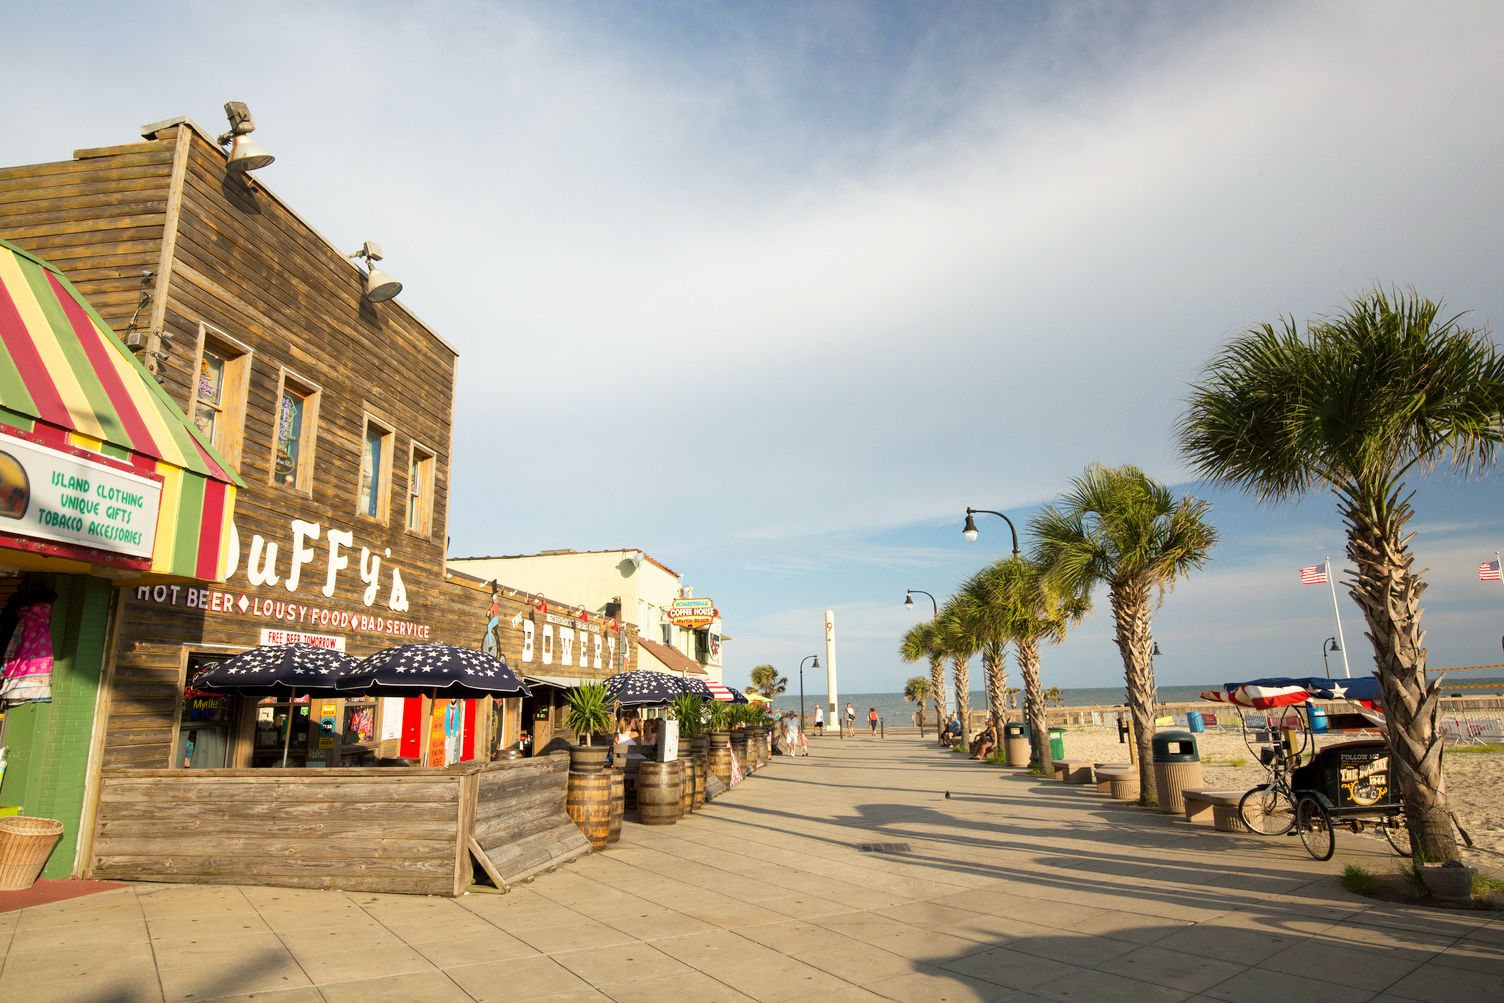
x=1338 y=614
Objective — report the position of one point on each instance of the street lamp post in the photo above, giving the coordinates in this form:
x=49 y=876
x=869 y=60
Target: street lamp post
x=908 y=599
x=801 y=685
x=970 y=529
x=1330 y=644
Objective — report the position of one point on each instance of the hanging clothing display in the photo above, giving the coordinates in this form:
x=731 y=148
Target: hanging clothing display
x=28 y=656
x=452 y=726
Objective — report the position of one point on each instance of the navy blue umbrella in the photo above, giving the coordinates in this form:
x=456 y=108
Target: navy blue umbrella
x=644 y=688
x=433 y=670
x=737 y=695
x=276 y=670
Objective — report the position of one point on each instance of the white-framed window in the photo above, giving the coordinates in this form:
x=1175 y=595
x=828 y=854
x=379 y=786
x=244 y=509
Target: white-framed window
x=218 y=397
x=373 y=499
x=294 y=432
x=420 y=473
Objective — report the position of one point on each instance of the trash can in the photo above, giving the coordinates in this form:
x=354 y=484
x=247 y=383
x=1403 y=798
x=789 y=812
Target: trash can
x=1177 y=766
x=1194 y=723
x=1057 y=743
x=1317 y=717
x=1016 y=743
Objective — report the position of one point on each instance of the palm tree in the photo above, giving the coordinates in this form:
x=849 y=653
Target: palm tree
x=1355 y=405
x=1012 y=696
x=1022 y=609
x=922 y=641
x=1054 y=697
x=973 y=607
x=958 y=643
x=767 y=681
x=1120 y=527
x=916 y=691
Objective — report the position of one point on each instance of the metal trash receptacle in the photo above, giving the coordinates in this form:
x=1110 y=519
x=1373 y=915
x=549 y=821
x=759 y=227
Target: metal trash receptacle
x=1057 y=743
x=1177 y=766
x=1016 y=743
x=1194 y=723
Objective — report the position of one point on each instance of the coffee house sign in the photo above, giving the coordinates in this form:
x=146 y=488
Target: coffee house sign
x=316 y=561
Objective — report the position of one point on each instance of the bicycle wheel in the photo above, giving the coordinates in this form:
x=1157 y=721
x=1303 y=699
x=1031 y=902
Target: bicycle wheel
x=1315 y=828
x=1267 y=810
x=1398 y=834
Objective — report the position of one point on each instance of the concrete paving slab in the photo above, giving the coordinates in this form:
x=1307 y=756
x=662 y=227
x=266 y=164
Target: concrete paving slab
x=1010 y=889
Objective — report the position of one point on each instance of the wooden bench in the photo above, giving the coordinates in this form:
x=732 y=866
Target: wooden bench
x=1071 y=771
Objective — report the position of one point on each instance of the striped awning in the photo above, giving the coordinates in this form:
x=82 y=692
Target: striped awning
x=720 y=692
x=67 y=382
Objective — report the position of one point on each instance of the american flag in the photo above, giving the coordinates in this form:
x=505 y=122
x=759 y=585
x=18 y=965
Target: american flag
x=1314 y=575
x=1488 y=571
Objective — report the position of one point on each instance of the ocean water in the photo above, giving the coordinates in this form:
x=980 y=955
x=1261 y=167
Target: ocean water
x=897 y=713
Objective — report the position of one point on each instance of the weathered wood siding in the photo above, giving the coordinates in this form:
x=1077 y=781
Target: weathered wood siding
x=355 y=829
x=387 y=830
x=519 y=818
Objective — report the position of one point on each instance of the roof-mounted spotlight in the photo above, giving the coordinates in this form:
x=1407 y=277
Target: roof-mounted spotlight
x=245 y=155
x=380 y=286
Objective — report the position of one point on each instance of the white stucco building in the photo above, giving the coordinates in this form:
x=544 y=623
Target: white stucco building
x=678 y=632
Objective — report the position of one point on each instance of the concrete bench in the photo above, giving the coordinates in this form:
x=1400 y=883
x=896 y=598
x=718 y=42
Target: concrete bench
x=1071 y=771
x=1106 y=773
x=1199 y=801
x=1224 y=810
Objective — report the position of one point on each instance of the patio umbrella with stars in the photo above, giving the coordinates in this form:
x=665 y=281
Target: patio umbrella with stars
x=275 y=670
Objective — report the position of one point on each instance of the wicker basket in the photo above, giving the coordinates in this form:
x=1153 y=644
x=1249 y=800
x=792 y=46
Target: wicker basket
x=25 y=845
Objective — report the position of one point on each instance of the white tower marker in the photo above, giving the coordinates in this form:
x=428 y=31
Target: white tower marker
x=832 y=716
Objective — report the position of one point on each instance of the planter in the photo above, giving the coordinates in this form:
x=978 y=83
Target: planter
x=739 y=746
x=700 y=757
x=587 y=758
x=618 y=778
x=687 y=785
x=720 y=756
x=588 y=802
x=1450 y=882
x=659 y=788
x=25 y=845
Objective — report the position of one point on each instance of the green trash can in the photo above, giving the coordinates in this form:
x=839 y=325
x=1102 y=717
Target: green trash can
x=1016 y=743
x=1177 y=768
x=1057 y=743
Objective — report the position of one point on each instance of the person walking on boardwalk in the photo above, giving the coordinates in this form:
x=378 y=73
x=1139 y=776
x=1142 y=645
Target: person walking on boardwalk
x=851 y=719
x=872 y=718
x=819 y=720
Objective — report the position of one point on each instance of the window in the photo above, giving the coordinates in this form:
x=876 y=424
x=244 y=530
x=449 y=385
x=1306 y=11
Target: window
x=420 y=491
x=293 y=433
x=668 y=634
x=375 y=470
x=219 y=392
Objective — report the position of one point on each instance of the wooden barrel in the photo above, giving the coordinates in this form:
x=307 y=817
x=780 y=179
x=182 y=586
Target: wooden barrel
x=687 y=785
x=763 y=754
x=618 y=778
x=588 y=801
x=701 y=762
x=659 y=789
x=720 y=756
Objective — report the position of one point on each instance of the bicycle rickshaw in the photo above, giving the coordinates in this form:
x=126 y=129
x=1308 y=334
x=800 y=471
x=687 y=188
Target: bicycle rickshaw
x=1342 y=785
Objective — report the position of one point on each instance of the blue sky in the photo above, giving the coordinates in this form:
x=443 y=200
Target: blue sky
x=881 y=261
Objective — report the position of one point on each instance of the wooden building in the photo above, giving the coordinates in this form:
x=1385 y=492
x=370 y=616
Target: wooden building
x=336 y=412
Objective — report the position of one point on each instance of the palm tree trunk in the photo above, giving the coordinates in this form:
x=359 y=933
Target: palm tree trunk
x=1039 y=738
x=1130 y=615
x=963 y=695
x=997 y=689
x=1388 y=591
x=937 y=689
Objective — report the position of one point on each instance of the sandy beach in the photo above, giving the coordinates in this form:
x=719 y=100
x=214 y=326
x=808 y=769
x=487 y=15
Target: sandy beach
x=1473 y=780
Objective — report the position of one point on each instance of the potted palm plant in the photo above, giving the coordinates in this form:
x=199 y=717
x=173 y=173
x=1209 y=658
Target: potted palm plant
x=718 y=721
x=589 y=712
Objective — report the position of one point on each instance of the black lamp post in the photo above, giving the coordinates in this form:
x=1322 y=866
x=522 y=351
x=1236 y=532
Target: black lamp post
x=801 y=685
x=1330 y=644
x=908 y=599
x=970 y=529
